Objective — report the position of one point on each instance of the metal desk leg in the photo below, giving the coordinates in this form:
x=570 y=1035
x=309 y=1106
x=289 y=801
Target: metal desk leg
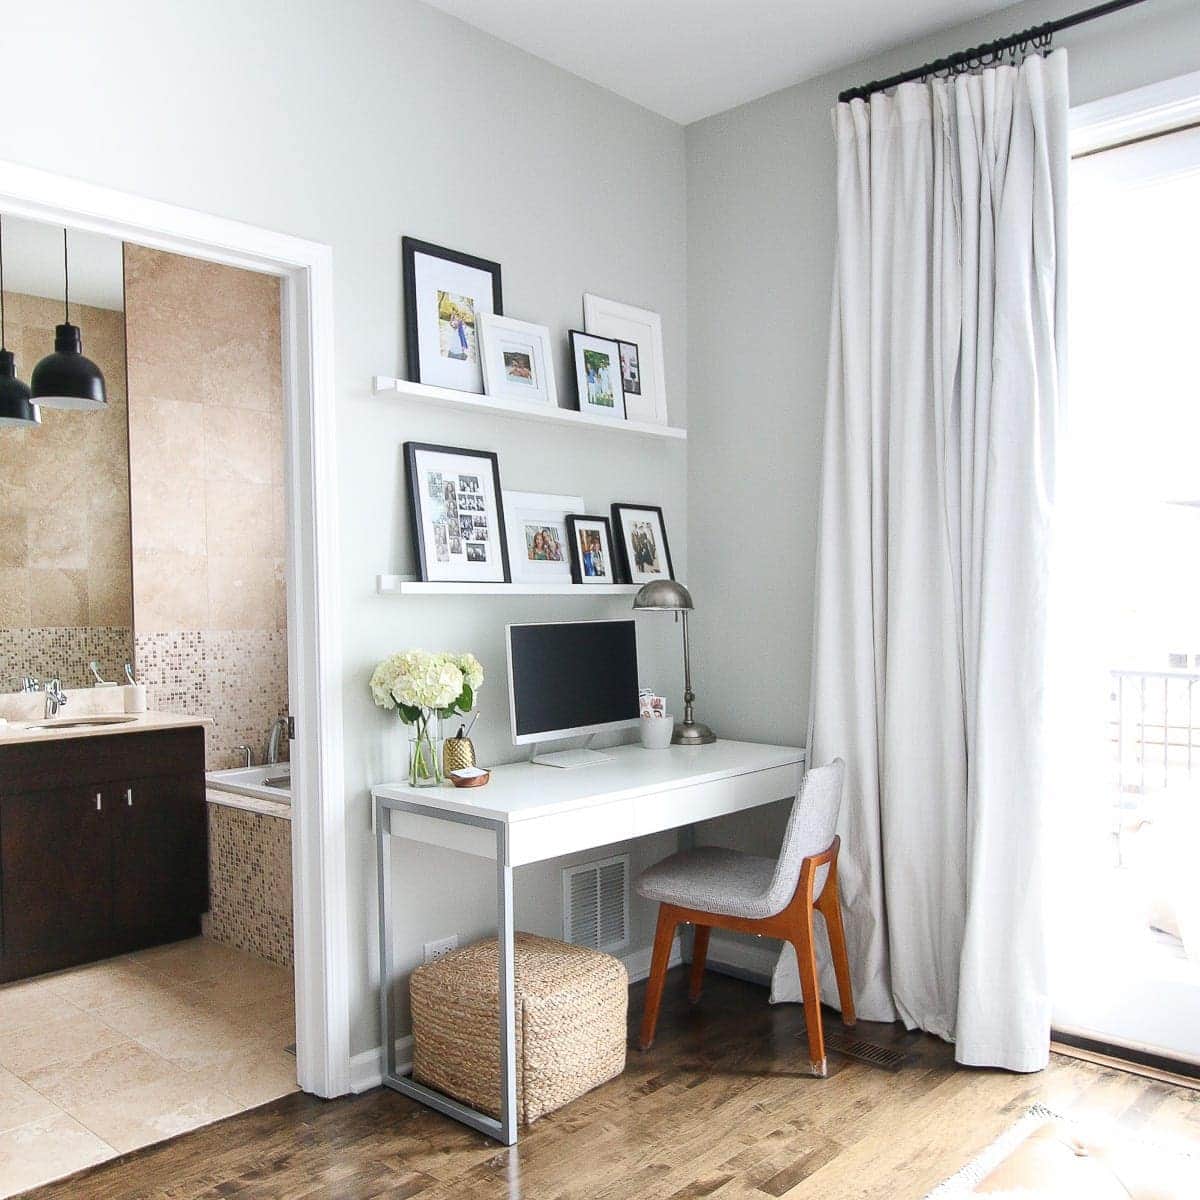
x=386 y=974
x=685 y=840
x=508 y=1031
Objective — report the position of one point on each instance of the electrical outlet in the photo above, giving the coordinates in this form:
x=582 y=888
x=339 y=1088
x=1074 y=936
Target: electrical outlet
x=440 y=948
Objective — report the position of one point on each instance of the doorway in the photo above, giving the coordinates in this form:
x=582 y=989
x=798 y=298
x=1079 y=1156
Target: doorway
x=1127 y=712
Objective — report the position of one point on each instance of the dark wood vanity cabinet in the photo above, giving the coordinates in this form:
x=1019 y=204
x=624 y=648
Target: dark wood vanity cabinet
x=103 y=847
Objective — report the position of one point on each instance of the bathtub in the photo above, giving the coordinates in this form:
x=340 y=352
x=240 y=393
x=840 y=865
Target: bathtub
x=247 y=788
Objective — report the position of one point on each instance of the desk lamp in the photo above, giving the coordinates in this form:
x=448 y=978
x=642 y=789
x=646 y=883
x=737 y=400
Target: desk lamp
x=665 y=595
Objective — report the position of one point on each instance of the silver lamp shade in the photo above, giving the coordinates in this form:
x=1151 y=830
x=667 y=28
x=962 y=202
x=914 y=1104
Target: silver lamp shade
x=665 y=595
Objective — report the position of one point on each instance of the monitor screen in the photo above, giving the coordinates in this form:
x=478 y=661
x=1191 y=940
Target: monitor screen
x=571 y=677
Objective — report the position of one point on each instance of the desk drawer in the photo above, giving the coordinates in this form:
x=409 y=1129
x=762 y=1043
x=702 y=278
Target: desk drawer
x=702 y=801
x=564 y=833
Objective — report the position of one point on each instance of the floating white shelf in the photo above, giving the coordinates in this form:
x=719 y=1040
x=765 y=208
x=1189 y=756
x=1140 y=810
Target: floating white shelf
x=450 y=398
x=402 y=585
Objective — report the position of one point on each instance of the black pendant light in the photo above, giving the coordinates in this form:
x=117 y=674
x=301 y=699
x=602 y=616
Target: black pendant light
x=65 y=379
x=15 y=407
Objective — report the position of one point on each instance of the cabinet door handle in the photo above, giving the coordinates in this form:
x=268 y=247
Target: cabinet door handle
x=129 y=797
x=99 y=802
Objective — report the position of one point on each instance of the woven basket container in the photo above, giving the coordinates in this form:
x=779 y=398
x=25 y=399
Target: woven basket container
x=570 y=1021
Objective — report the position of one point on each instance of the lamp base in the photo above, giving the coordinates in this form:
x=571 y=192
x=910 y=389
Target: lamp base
x=692 y=733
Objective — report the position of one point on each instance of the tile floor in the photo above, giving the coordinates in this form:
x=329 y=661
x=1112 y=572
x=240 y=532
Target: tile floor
x=114 y=1055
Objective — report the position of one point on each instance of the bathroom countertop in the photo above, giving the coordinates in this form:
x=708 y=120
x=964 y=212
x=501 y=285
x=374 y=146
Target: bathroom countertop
x=17 y=732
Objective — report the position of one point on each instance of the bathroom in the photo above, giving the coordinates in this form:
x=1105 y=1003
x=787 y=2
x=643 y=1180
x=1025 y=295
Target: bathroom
x=143 y=603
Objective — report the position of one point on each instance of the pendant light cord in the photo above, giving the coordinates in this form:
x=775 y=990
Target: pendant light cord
x=2 y=345
x=66 y=282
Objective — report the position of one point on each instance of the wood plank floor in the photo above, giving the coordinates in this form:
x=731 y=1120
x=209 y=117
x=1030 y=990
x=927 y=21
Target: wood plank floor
x=719 y=1108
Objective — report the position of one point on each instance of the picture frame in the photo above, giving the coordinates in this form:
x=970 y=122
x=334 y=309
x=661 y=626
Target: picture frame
x=538 y=550
x=641 y=536
x=445 y=291
x=592 y=560
x=447 y=486
x=517 y=359
x=641 y=328
x=597 y=363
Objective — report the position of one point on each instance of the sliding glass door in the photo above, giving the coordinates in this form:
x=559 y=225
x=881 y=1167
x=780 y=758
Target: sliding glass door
x=1126 y=695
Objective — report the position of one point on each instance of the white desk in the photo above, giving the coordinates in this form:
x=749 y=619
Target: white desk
x=530 y=813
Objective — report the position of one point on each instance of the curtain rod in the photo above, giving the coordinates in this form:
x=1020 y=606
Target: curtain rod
x=1037 y=36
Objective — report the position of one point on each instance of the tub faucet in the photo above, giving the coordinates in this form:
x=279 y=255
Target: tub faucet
x=55 y=697
x=247 y=753
x=278 y=731
x=30 y=683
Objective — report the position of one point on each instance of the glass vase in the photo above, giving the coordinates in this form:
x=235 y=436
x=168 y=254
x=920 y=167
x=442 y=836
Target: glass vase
x=425 y=754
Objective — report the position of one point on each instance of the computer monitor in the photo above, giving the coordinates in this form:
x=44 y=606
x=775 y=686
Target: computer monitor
x=568 y=678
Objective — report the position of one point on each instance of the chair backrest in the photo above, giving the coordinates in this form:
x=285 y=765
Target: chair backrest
x=810 y=828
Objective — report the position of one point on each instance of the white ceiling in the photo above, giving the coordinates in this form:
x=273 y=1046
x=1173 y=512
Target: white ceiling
x=33 y=264
x=688 y=59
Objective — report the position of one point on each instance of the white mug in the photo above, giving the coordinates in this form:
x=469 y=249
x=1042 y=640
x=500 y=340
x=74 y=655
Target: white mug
x=656 y=731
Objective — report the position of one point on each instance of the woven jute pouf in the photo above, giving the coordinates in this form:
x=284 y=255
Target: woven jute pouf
x=570 y=1021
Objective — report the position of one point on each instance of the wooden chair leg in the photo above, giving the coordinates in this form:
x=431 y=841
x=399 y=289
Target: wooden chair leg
x=806 y=962
x=664 y=935
x=699 y=954
x=831 y=909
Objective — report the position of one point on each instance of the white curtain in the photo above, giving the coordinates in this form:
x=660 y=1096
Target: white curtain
x=945 y=383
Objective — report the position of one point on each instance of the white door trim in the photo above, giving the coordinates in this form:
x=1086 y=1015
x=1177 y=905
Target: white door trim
x=314 y=596
x=1168 y=104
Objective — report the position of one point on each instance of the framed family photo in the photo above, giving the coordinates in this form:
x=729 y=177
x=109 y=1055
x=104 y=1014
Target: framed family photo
x=638 y=332
x=457 y=514
x=538 y=549
x=642 y=542
x=597 y=364
x=592 y=559
x=518 y=363
x=445 y=294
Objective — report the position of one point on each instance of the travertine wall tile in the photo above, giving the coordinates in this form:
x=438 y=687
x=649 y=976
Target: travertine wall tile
x=64 y=494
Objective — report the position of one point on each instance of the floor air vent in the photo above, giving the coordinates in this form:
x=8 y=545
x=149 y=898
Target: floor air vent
x=866 y=1052
x=596 y=904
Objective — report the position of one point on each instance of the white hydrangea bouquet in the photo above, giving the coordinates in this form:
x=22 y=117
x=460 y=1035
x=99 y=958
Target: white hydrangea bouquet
x=423 y=689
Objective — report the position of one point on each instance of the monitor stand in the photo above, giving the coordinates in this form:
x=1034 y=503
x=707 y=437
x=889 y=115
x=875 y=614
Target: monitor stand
x=566 y=759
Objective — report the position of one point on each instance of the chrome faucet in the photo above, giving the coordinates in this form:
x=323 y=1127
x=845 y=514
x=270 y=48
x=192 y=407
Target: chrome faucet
x=246 y=752
x=30 y=683
x=55 y=697
x=278 y=730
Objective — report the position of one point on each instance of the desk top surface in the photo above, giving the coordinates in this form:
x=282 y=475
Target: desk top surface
x=520 y=791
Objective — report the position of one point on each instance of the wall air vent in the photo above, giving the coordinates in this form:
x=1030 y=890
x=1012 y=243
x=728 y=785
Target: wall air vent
x=596 y=904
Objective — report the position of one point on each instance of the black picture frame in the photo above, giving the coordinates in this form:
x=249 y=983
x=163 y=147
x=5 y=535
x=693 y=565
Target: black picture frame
x=577 y=559
x=417 y=501
x=618 y=414
x=410 y=247
x=623 y=549
x=621 y=346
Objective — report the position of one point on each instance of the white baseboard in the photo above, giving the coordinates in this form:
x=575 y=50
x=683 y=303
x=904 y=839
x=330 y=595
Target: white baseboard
x=366 y=1069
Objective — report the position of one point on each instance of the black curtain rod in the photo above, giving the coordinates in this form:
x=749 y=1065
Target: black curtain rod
x=1037 y=36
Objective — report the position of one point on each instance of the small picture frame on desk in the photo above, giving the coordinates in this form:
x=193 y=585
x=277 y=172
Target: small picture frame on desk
x=592 y=560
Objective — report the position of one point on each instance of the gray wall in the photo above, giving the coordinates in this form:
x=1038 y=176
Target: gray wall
x=761 y=229
x=353 y=122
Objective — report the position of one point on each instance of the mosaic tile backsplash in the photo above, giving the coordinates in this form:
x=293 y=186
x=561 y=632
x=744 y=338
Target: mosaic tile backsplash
x=250 y=882
x=63 y=651
x=238 y=677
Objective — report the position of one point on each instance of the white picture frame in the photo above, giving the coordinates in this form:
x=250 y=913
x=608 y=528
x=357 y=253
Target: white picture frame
x=647 y=401
x=529 y=516
x=596 y=362
x=509 y=349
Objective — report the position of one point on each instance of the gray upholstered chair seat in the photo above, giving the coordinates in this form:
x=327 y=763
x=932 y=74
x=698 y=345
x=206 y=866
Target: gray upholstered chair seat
x=715 y=880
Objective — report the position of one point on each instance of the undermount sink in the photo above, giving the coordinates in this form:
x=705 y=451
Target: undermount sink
x=79 y=722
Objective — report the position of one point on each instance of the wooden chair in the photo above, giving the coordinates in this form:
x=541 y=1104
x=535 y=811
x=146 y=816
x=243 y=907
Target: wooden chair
x=711 y=887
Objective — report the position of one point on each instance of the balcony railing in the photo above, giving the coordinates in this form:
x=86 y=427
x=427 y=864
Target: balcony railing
x=1153 y=729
